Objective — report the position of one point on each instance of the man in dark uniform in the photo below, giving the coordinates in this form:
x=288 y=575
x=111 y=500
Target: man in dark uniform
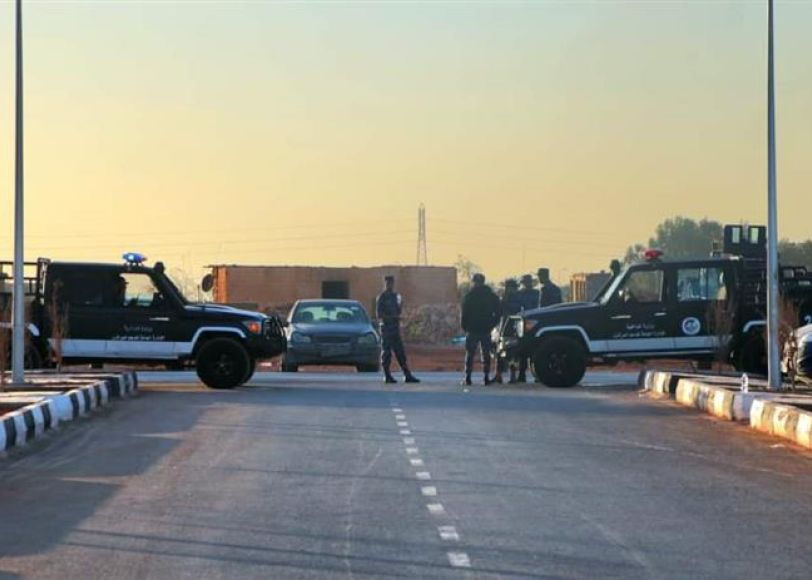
x=389 y=307
x=480 y=315
x=529 y=299
x=510 y=306
x=550 y=293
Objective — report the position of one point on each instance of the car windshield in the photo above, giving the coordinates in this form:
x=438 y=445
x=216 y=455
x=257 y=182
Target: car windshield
x=329 y=312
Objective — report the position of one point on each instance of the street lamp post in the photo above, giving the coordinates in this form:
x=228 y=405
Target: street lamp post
x=773 y=296
x=18 y=308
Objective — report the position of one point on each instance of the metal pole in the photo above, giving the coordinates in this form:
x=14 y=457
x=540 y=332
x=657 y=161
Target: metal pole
x=773 y=296
x=18 y=320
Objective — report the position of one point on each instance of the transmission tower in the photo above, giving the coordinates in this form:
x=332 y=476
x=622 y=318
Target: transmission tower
x=422 y=249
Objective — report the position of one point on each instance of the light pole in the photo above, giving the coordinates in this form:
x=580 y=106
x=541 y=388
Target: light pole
x=18 y=308
x=773 y=296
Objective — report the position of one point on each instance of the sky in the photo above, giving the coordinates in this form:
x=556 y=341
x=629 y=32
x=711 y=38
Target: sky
x=535 y=133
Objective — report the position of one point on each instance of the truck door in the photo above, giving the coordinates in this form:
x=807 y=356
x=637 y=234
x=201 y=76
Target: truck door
x=146 y=319
x=704 y=317
x=637 y=314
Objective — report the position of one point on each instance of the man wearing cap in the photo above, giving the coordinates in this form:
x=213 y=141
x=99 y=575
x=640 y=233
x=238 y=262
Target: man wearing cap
x=510 y=306
x=480 y=314
x=550 y=293
x=389 y=307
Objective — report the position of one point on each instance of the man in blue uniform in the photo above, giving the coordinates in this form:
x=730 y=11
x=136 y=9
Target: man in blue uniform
x=511 y=305
x=550 y=293
x=480 y=315
x=529 y=299
x=389 y=307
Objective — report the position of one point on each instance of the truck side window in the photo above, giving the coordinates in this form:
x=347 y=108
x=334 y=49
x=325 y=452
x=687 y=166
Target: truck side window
x=82 y=289
x=701 y=284
x=642 y=287
x=137 y=290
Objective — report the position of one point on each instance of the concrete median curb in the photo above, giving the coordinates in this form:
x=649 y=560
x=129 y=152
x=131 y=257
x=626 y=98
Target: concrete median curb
x=27 y=423
x=784 y=419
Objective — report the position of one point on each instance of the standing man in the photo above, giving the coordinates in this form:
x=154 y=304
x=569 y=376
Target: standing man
x=510 y=306
x=529 y=299
x=389 y=306
x=550 y=293
x=480 y=315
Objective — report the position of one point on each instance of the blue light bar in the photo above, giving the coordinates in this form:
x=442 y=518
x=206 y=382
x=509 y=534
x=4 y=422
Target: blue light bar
x=134 y=258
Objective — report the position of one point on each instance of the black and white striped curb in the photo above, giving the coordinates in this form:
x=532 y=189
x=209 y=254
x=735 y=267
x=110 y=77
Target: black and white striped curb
x=27 y=423
x=78 y=402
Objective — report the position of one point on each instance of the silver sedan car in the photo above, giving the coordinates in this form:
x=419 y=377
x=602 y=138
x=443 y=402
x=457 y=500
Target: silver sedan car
x=331 y=332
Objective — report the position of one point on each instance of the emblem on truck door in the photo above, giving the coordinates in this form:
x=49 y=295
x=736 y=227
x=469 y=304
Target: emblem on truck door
x=691 y=326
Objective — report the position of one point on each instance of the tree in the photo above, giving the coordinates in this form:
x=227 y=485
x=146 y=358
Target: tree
x=683 y=238
x=796 y=253
x=465 y=271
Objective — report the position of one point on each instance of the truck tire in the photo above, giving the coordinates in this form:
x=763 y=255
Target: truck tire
x=559 y=362
x=222 y=363
x=752 y=357
x=252 y=367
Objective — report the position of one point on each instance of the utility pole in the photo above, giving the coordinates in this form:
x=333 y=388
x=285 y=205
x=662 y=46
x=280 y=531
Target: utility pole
x=18 y=292
x=422 y=247
x=773 y=295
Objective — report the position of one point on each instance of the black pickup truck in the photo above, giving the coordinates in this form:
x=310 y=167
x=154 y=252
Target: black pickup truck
x=659 y=308
x=132 y=313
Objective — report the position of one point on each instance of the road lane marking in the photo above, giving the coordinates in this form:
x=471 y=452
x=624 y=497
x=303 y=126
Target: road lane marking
x=459 y=559
x=405 y=432
x=429 y=491
x=423 y=475
x=402 y=424
x=412 y=450
x=400 y=417
x=397 y=410
x=408 y=440
x=417 y=462
x=449 y=533
x=436 y=509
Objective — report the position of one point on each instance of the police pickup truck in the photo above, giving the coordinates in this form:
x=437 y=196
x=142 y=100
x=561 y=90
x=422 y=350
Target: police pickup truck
x=132 y=313
x=657 y=308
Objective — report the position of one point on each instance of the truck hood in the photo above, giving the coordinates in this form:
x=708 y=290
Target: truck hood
x=560 y=309
x=215 y=309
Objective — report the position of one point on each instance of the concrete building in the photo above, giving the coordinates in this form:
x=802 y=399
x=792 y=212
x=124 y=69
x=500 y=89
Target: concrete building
x=276 y=288
x=584 y=286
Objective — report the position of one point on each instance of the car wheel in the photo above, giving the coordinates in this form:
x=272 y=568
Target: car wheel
x=368 y=368
x=222 y=363
x=559 y=362
x=753 y=356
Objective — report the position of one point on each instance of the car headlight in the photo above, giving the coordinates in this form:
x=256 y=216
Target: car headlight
x=368 y=339
x=253 y=326
x=299 y=338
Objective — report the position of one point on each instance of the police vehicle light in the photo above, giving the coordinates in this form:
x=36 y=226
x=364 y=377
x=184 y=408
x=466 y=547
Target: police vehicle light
x=651 y=255
x=134 y=258
x=528 y=326
x=253 y=326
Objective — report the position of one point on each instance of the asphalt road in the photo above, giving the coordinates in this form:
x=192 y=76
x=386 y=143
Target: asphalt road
x=323 y=476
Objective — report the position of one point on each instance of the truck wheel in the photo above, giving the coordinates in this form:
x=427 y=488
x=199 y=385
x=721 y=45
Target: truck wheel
x=559 y=362
x=252 y=367
x=222 y=363
x=753 y=356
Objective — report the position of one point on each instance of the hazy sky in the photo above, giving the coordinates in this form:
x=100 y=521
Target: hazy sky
x=308 y=133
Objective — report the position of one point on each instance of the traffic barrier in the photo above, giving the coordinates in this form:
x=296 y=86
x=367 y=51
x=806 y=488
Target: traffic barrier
x=784 y=418
x=27 y=423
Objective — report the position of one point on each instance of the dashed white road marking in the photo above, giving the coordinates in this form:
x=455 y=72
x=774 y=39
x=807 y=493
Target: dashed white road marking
x=408 y=440
x=459 y=559
x=449 y=533
x=436 y=508
x=402 y=424
x=400 y=417
x=429 y=491
x=416 y=462
x=397 y=410
x=412 y=450
x=423 y=475
x=405 y=432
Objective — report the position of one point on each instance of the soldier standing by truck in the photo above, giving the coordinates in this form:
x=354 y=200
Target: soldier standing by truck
x=529 y=299
x=480 y=315
x=389 y=307
x=510 y=306
x=550 y=294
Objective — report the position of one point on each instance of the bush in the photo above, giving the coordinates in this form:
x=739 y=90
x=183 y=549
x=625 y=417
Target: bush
x=431 y=324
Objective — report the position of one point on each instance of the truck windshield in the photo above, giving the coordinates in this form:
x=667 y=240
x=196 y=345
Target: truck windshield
x=176 y=290
x=610 y=289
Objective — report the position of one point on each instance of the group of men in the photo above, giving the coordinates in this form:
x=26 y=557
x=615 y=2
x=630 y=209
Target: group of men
x=482 y=311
